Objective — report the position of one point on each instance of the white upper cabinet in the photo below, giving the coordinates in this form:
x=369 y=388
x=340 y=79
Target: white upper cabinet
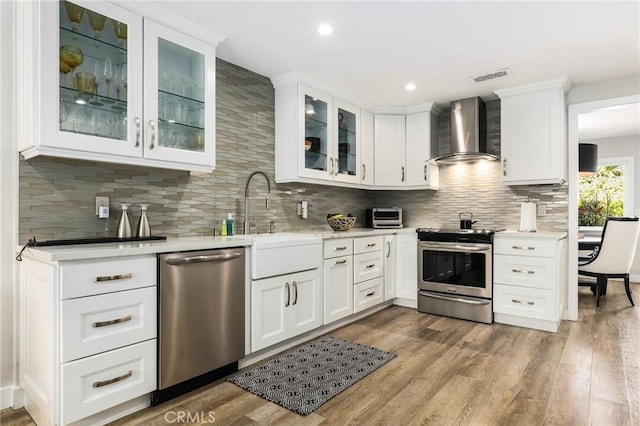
x=99 y=82
x=317 y=137
x=367 y=155
x=403 y=150
x=533 y=132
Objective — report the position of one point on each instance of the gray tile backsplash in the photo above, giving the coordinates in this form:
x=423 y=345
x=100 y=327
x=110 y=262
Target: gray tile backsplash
x=57 y=196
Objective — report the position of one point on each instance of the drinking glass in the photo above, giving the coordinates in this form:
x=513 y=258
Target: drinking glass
x=97 y=23
x=64 y=112
x=72 y=56
x=97 y=72
x=65 y=69
x=121 y=81
x=74 y=13
x=107 y=74
x=120 y=29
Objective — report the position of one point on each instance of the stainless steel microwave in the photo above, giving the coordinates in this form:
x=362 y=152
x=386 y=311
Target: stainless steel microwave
x=387 y=217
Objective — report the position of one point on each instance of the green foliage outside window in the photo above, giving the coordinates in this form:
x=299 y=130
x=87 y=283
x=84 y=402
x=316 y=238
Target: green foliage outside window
x=600 y=195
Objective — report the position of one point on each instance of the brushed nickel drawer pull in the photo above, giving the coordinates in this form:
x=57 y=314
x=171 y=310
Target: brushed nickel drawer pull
x=340 y=248
x=112 y=322
x=522 y=302
x=370 y=266
x=522 y=248
x=114 y=380
x=114 y=277
x=288 y=295
x=340 y=262
x=520 y=271
x=370 y=294
x=295 y=288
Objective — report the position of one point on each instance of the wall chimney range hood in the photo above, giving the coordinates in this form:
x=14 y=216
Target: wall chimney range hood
x=468 y=133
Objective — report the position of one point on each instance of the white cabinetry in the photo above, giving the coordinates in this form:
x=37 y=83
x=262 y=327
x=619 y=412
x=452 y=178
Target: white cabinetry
x=285 y=306
x=317 y=136
x=533 y=135
x=529 y=279
x=390 y=268
x=407 y=269
x=143 y=94
x=367 y=152
x=338 y=279
x=403 y=150
x=368 y=265
x=88 y=338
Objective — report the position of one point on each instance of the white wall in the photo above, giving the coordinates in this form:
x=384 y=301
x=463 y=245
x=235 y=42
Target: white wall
x=604 y=90
x=8 y=207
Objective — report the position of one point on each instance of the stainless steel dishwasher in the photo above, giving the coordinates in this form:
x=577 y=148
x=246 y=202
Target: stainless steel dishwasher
x=201 y=318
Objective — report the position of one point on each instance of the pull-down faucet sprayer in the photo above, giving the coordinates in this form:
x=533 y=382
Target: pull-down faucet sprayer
x=246 y=198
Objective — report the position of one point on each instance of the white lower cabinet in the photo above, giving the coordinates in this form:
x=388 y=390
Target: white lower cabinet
x=285 y=306
x=368 y=294
x=407 y=269
x=529 y=279
x=390 y=259
x=88 y=332
x=338 y=288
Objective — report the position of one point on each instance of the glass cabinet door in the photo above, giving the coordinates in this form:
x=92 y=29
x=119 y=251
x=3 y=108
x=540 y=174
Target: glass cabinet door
x=180 y=88
x=347 y=135
x=316 y=134
x=95 y=76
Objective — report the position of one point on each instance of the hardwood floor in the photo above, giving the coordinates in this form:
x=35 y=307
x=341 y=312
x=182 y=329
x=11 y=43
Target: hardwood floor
x=453 y=372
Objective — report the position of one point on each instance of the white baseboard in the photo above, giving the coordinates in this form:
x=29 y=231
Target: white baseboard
x=11 y=396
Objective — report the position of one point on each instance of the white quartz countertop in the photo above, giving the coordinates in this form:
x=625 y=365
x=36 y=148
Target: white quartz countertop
x=96 y=251
x=539 y=234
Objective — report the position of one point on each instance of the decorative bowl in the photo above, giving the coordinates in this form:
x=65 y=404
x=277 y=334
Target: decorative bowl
x=343 y=223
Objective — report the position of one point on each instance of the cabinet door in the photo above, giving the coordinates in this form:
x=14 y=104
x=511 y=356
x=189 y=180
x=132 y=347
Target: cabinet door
x=316 y=121
x=366 y=148
x=533 y=139
x=179 y=87
x=347 y=136
x=390 y=150
x=270 y=301
x=338 y=288
x=407 y=279
x=89 y=90
x=306 y=301
x=390 y=259
x=418 y=148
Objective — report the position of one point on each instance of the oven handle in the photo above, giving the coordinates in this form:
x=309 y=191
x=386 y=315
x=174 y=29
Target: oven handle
x=455 y=299
x=452 y=248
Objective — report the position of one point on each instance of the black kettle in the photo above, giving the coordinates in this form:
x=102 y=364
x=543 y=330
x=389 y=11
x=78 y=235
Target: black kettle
x=466 y=222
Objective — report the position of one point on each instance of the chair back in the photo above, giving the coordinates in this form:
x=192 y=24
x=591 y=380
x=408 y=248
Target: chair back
x=618 y=246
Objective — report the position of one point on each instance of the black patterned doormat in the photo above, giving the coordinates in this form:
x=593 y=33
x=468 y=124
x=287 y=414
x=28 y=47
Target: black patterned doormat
x=305 y=377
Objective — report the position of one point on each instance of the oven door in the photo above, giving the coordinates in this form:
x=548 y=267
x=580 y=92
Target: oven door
x=455 y=268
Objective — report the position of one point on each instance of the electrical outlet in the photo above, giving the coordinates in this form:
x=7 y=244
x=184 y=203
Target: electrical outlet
x=542 y=210
x=102 y=202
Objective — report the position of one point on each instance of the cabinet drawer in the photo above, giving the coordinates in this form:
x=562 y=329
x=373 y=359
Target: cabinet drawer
x=368 y=244
x=524 y=302
x=367 y=294
x=367 y=266
x=93 y=384
x=536 y=272
x=530 y=247
x=95 y=324
x=335 y=248
x=90 y=277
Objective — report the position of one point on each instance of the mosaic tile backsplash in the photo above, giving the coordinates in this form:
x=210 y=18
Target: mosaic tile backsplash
x=57 y=196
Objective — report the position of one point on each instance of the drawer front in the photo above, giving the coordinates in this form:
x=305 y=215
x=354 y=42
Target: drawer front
x=368 y=244
x=530 y=247
x=536 y=272
x=367 y=294
x=95 y=324
x=93 y=384
x=367 y=266
x=90 y=277
x=335 y=248
x=524 y=302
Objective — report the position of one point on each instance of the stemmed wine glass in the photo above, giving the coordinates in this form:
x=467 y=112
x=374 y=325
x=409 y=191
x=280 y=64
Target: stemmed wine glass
x=121 y=80
x=97 y=71
x=72 y=57
x=74 y=13
x=97 y=23
x=120 y=28
x=107 y=73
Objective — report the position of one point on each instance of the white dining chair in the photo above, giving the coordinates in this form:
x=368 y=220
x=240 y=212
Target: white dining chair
x=614 y=256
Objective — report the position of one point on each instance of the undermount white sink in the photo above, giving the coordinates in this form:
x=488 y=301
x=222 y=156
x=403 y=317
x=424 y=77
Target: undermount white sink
x=279 y=254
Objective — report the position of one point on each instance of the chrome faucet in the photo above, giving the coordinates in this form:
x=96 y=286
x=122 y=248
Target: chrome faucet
x=246 y=198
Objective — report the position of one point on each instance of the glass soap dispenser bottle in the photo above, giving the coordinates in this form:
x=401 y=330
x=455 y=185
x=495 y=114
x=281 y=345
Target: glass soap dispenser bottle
x=124 y=226
x=144 y=229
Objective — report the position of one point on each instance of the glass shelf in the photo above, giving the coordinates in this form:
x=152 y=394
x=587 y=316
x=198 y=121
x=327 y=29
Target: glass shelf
x=92 y=101
x=180 y=136
x=91 y=47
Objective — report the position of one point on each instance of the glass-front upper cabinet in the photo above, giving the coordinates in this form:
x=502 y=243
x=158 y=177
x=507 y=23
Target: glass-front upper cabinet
x=317 y=159
x=348 y=145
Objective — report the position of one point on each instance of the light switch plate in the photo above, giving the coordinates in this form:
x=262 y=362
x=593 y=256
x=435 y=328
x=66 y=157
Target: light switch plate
x=101 y=202
x=542 y=210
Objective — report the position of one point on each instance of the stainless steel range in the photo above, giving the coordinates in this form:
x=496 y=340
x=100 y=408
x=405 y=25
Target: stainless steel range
x=455 y=273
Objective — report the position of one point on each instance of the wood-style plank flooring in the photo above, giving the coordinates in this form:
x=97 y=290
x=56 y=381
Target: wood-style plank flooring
x=453 y=372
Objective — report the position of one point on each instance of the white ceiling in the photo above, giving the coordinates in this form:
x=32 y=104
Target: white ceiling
x=613 y=122
x=379 y=46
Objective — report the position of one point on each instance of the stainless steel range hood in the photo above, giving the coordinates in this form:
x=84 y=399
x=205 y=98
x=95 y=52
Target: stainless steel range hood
x=468 y=133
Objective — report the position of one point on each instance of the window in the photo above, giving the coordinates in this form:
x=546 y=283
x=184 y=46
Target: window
x=608 y=193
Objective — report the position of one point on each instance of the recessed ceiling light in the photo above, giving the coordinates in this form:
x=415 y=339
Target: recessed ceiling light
x=325 y=29
x=410 y=87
